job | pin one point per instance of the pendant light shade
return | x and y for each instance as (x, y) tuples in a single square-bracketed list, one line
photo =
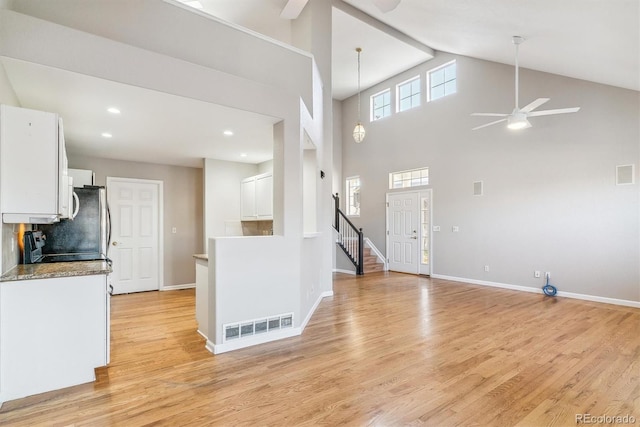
[(358, 131)]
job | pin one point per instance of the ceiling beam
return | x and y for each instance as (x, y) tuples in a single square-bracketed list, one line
[(292, 9), (379, 25)]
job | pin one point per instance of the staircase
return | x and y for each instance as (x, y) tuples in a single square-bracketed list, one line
[(351, 241), (371, 262)]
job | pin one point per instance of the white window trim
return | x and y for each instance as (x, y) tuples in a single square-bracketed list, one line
[(371, 117), (398, 94), (446, 64), (391, 187), (347, 201)]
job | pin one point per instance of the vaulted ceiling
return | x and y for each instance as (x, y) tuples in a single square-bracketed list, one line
[(592, 40)]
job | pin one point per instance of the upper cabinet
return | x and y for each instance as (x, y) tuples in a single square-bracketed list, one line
[(257, 197), (34, 186)]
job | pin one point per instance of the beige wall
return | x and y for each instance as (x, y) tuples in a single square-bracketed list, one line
[(182, 208), (550, 201)]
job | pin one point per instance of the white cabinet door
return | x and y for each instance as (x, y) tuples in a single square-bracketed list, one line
[(248, 199), (264, 196), (53, 333), (29, 165)]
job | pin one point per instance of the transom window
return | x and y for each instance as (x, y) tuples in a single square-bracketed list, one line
[(442, 81), (408, 94), (381, 105), (353, 196), (410, 178)]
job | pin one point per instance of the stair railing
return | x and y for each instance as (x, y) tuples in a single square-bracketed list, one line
[(350, 238)]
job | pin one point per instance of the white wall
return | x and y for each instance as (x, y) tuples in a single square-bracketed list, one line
[(287, 84), (550, 201), (222, 194), (10, 253)]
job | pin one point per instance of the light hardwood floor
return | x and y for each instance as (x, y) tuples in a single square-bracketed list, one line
[(386, 349)]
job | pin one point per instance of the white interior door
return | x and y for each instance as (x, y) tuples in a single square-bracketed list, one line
[(403, 222), (135, 234)]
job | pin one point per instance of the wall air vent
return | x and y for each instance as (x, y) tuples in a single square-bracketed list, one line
[(247, 328), (624, 174), (477, 188)]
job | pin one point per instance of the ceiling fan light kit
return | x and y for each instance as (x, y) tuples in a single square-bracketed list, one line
[(518, 119)]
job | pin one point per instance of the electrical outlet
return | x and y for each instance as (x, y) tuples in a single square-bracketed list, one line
[(455, 228), (486, 268), (536, 274), (174, 230), (13, 244)]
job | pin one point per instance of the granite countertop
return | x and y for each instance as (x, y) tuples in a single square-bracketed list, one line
[(204, 257), (55, 269)]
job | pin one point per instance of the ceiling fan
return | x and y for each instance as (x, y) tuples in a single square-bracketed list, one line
[(386, 5), (517, 119)]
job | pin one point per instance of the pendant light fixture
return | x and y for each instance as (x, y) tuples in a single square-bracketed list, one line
[(358, 131)]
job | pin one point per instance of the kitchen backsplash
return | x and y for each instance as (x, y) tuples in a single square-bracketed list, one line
[(257, 228)]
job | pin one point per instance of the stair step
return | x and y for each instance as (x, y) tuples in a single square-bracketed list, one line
[(371, 268)]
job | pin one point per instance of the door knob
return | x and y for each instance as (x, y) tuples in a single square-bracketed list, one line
[(114, 243)]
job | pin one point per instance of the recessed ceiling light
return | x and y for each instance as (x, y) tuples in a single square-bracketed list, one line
[(228, 132), (106, 135), (113, 110), (243, 154)]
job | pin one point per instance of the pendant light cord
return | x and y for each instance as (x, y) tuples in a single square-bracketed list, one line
[(359, 112)]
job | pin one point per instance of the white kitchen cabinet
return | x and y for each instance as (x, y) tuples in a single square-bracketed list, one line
[(248, 199), (33, 166), (54, 333), (264, 196), (82, 177), (257, 197)]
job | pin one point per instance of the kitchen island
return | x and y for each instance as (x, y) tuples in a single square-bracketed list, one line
[(54, 326)]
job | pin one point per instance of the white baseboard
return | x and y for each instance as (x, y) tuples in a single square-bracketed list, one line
[(178, 287), (339, 270), (573, 295), (265, 338), (313, 309), (251, 341)]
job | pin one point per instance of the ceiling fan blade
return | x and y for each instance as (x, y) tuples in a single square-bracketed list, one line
[(550, 112), (489, 124), (386, 5), (490, 114), (535, 104)]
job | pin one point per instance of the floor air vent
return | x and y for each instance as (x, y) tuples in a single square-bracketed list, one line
[(234, 331)]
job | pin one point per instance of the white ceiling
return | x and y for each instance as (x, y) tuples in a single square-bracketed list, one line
[(152, 126), (594, 40)]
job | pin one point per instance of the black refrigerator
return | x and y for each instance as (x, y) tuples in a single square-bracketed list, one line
[(86, 236)]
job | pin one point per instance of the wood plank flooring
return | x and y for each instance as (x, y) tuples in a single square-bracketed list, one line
[(387, 349)]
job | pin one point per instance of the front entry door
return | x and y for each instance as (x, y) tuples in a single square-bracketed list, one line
[(403, 213), (135, 234)]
